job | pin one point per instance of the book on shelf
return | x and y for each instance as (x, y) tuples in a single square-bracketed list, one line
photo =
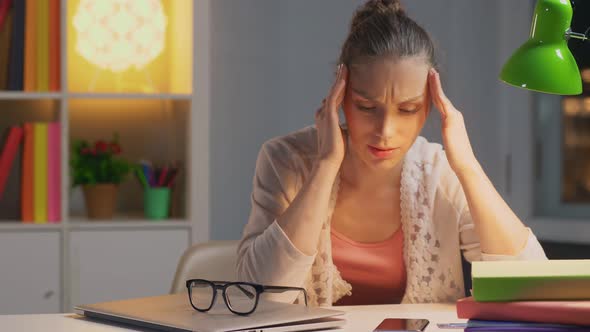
[(42, 26), (30, 67), (46, 173), (9, 151), (27, 175), (30, 173), (30, 45), (53, 172), (40, 172), (55, 45), (4, 9), (10, 166), (5, 42), (17, 48)]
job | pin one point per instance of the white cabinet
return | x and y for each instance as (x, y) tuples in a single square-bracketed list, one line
[(109, 265), (30, 270)]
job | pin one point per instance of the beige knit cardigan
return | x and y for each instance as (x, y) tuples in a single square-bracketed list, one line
[(435, 220)]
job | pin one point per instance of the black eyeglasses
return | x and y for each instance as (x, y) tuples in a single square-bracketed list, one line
[(241, 298)]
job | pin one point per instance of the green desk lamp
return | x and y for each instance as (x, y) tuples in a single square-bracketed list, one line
[(544, 63)]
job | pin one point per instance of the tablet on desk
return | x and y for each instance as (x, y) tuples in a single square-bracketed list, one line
[(174, 313)]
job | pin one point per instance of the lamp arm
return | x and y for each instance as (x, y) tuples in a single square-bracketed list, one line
[(576, 35)]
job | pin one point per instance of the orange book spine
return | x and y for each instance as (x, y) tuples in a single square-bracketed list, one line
[(54, 45), (27, 175), (30, 83), (42, 37)]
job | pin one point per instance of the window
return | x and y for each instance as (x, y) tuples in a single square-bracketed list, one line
[(562, 136)]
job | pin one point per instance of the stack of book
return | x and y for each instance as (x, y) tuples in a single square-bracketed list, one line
[(37, 146), (30, 45), (552, 295)]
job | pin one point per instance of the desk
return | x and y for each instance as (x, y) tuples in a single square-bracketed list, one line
[(360, 318)]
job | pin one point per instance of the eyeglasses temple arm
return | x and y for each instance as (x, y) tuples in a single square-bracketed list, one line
[(281, 289)]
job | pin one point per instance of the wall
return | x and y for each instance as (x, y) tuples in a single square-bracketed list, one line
[(271, 66)]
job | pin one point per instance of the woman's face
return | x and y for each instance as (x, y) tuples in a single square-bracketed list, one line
[(385, 106)]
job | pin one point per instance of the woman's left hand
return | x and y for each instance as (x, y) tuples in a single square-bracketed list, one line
[(455, 138)]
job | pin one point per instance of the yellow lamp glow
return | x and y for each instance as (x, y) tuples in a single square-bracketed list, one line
[(120, 34)]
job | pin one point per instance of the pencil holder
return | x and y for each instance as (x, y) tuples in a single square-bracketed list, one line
[(156, 202)]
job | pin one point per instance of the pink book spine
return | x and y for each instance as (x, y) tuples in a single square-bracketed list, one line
[(54, 172)]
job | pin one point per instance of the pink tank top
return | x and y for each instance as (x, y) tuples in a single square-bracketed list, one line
[(376, 271)]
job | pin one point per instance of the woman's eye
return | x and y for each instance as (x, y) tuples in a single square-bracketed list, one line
[(409, 111), (366, 108)]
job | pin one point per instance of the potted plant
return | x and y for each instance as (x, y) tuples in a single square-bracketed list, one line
[(99, 171)]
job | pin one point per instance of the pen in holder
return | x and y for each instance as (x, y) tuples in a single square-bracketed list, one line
[(156, 202), (157, 185)]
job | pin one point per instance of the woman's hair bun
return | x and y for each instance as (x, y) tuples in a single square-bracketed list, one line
[(381, 28), (385, 7), (376, 8)]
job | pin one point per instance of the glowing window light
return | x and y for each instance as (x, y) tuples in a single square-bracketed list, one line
[(572, 106), (118, 34)]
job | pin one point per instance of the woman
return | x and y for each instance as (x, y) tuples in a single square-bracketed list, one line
[(372, 213)]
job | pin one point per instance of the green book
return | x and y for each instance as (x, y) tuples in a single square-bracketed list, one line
[(495, 281)]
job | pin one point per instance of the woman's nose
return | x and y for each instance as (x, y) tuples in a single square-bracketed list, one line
[(386, 125)]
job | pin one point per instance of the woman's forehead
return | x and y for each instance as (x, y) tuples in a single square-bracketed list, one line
[(401, 79)]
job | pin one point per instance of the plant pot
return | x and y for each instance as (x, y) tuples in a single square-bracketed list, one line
[(100, 199)]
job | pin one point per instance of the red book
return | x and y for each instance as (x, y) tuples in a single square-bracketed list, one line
[(4, 7), (556, 312), (15, 135)]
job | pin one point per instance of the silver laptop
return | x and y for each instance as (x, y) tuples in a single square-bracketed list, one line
[(174, 313)]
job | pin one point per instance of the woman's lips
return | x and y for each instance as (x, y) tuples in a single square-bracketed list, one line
[(381, 153)]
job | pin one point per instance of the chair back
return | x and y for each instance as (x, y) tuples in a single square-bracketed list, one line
[(213, 260)]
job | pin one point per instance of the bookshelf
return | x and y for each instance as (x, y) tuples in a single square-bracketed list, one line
[(17, 95), (79, 260)]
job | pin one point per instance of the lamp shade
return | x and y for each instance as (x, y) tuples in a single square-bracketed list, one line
[(119, 34), (544, 63)]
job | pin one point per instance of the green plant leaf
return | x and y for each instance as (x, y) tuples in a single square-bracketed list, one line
[(91, 168)]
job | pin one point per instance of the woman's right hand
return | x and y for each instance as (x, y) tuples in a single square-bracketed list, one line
[(331, 141)]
